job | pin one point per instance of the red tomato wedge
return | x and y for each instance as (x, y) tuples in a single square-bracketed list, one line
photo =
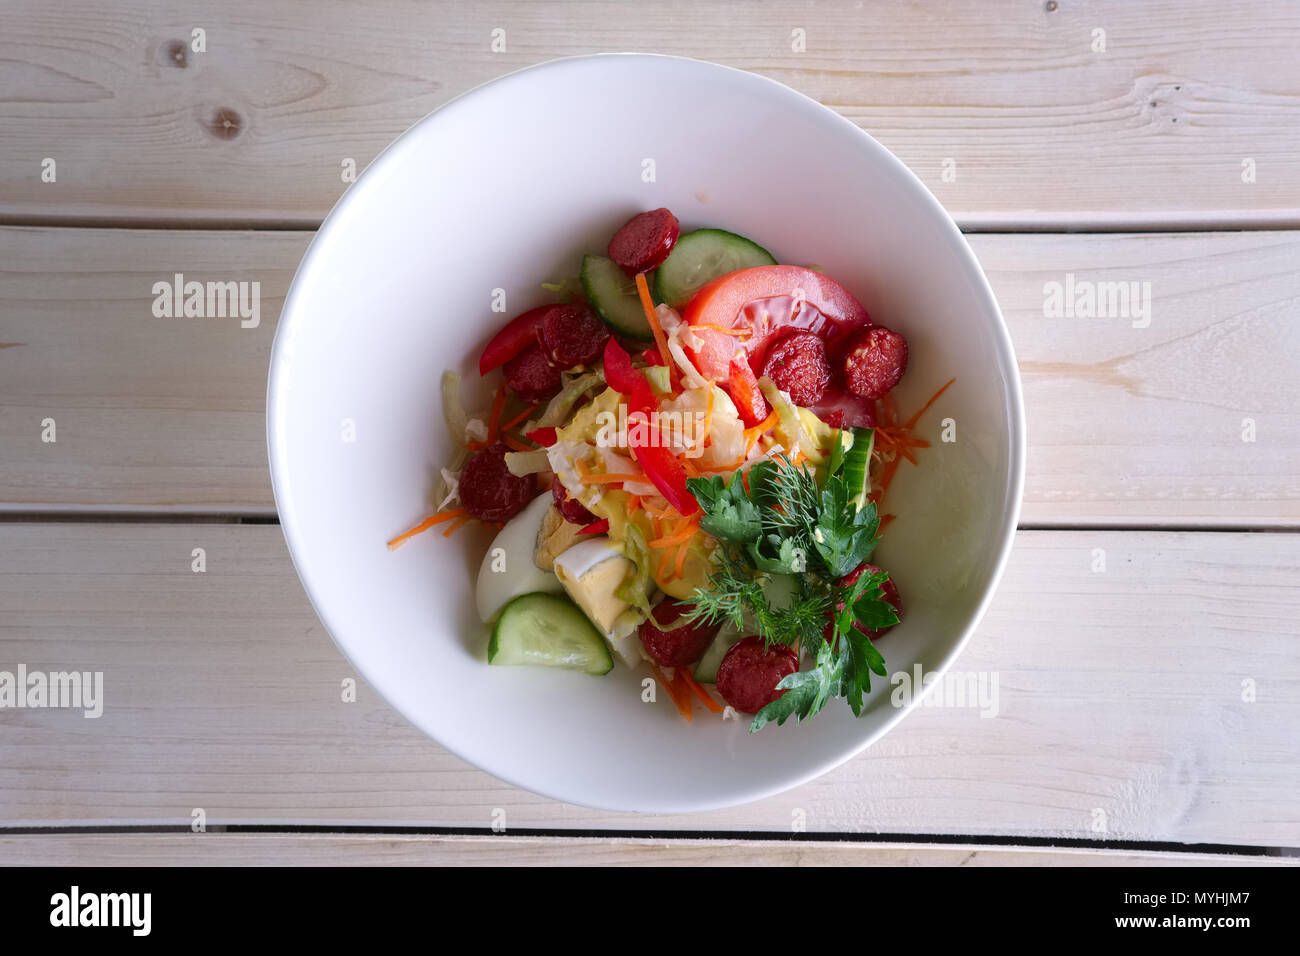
[(739, 315)]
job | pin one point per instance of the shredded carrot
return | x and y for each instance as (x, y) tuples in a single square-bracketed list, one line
[(886, 479), (683, 704), (705, 697), (608, 477), (664, 572), (753, 434), (897, 437), (458, 522), (651, 507), (520, 417), (680, 567), (890, 407), (513, 442), (682, 688), (688, 466), (662, 577), (633, 503), (683, 532), (897, 447), (926, 407), (494, 419), (651, 316), (425, 525), (580, 465)]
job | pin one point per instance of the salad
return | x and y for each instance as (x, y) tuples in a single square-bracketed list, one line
[(685, 462)]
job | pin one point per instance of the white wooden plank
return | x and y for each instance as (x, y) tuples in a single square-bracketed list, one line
[(1126, 425), (1122, 701), (1145, 419), (393, 849), (1037, 117)]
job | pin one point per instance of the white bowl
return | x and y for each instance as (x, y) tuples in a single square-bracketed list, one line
[(504, 188)]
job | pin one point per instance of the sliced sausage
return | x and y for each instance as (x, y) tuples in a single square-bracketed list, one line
[(570, 509), (797, 364), (842, 409), (489, 491), (644, 241), (875, 362), (671, 641), (749, 673), (573, 335), (531, 375)]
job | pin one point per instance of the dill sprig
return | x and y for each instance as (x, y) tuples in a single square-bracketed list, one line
[(779, 521)]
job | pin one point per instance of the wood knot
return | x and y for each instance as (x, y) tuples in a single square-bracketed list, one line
[(225, 123), (1050, 6), (177, 54)]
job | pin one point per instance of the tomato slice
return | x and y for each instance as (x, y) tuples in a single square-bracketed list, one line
[(742, 313)]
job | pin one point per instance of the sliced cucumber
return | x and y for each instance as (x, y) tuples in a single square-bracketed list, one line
[(857, 466), (706, 669), (549, 631), (701, 256), (612, 293)]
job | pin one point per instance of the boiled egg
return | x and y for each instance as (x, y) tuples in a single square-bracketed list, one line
[(509, 568)]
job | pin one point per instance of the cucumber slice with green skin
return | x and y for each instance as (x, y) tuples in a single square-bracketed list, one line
[(700, 257), (857, 466), (548, 631), (612, 293), (706, 668)]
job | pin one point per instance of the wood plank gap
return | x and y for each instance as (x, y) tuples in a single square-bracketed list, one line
[(971, 226), (927, 839)]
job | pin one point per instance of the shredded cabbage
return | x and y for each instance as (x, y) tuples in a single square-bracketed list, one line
[(448, 487), (678, 333), (726, 430), (561, 456), (557, 412), (790, 424), (451, 483), (638, 585), (453, 412), (523, 463)]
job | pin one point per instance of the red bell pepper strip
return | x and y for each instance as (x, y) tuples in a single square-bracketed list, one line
[(667, 474), (546, 437), (659, 463), (596, 527), (519, 333), (623, 378)]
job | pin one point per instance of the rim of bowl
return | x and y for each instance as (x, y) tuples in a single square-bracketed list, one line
[(1016, 422)]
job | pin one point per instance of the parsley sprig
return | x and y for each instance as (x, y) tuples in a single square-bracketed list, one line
[(778, 520)]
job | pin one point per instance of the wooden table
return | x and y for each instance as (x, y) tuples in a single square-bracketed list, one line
[(1149, 711)]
